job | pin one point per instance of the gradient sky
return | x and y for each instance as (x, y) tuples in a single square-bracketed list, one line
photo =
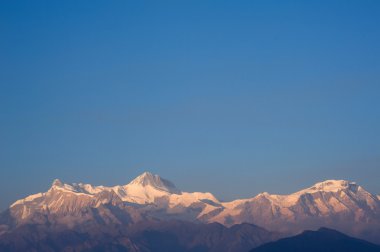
[(231, 97)]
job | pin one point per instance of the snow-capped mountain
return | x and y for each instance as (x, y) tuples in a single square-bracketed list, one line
[(337, 204), (147, 194), (324, 199)]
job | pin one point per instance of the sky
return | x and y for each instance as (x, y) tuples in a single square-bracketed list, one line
[(230, 97)]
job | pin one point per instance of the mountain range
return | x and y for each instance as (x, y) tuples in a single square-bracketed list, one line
[(79, 209)]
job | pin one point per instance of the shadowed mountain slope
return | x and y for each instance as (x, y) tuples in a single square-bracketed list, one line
[(323, 240), (147, 236)]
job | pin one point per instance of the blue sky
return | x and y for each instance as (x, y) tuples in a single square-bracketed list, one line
[(232, 97)]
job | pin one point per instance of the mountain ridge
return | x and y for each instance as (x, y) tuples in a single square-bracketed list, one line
[(323, 239), (165, 185), (339, 204)]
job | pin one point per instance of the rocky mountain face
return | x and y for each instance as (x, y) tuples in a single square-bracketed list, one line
[(337, 204), (315, 241)]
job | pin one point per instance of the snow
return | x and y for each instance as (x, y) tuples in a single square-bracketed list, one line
[(144, 189), (322, 199), (29, 198), (141, 194), (329, 186), (186, 199), (148, 179), (147, 188)]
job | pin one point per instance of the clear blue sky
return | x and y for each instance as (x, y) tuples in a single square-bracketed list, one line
[(232, 97)]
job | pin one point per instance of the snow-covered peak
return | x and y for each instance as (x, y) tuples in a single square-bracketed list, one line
[(73, 187), (144, 189), (155, 181), (332, 186), (59, 185), (57, 182)]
